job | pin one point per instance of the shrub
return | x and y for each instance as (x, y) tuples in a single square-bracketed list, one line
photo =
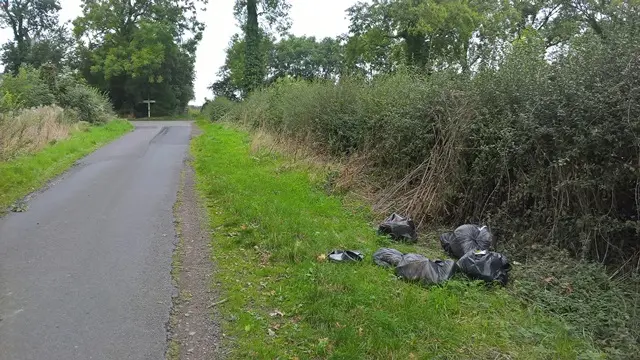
[(91, 105), (24, 90), (217, 108)]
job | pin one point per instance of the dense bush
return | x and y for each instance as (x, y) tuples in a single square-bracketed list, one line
[(91, 105), (27, 89), (550, 149), (41, 87), (215, 109)]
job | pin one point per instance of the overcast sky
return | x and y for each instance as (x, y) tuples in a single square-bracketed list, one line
[(319, 18)]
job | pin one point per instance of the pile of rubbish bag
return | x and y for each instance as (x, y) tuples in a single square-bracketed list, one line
[(415, 267), (470, 244)]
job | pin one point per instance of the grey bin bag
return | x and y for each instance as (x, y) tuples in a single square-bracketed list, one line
[(466, 238), (415, 267), (485, 265), (387, 257), (399, 228)]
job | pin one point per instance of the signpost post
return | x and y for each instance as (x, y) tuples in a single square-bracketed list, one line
[(148, 102)]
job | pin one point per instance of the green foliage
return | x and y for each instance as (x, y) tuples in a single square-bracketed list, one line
[(584, 295), (33, 88), (26, 89), (217, 108), (249, 13), (140, 50), (270, 222), (91, 105), (36, 34), (428, 32), (295, 57)]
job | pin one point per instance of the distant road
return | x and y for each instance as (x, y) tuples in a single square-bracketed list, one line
[(85, 271)]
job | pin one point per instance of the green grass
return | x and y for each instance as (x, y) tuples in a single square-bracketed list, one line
[(25, 174), (270, 222)]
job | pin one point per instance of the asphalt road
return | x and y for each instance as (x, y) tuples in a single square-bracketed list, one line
[(85, 271)]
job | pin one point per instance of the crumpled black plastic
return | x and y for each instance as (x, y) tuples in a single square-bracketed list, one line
[(415, 267), (387, 257), (485, 265), (399, 228), (466, 238), (345, 256)]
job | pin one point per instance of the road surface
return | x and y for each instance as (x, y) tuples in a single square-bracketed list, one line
[(85, 271)]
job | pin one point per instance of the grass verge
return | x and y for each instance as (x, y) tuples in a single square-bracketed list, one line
[(27, 173), (272, 222)]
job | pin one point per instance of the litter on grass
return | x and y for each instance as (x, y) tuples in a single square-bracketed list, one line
[(466, 238), (485, 265), (399, 228), (387, 257), (345, 256)]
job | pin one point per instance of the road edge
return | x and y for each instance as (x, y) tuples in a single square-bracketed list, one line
[(192, 332)]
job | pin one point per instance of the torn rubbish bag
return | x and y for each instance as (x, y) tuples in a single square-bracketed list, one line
[(387, 257), (415, 267), (485, 265), (466, 238), (345, 256), (399, 228)]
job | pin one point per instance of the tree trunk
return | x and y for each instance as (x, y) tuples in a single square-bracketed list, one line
[(254, 72)]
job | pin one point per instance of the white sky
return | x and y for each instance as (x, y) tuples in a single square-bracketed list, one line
[(319, 18)]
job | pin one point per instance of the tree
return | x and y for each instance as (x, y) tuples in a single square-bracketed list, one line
[(429, 33), (249, 12), (305, 58), (37, 37), (140, 49)]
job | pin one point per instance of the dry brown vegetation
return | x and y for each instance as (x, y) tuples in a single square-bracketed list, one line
[(30, 130)]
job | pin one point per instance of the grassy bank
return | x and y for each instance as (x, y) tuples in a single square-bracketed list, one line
[(24, 174), (272, 222)]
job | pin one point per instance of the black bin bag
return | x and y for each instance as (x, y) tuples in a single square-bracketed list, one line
[(399, 228), (387, 257), (415, 267), (485, 265), (466, 238)]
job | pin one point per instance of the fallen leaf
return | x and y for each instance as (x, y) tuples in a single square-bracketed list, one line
[(322, 257), (271, 332)]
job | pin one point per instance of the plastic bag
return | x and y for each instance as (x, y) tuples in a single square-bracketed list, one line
[(345, 256), (415, 267), (466, 238), (485, 265), (387, 257), (399, 228)]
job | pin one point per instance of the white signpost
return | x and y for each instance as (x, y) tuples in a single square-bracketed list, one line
[(148, 102)]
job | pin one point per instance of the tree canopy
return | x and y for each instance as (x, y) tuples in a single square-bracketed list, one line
[(138, 50), (38, 38)]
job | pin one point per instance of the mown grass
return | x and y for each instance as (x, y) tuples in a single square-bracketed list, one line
[(271, 222), (24, 174)]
